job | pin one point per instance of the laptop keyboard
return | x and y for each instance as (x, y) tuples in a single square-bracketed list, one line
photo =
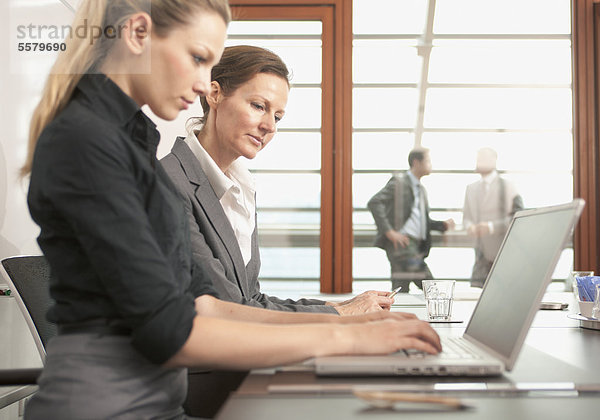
[(452, 348)]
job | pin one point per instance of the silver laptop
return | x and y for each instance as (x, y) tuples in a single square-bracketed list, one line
[(509, 301)]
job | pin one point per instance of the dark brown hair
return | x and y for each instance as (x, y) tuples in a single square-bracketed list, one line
[(418, 153), (237, 66)]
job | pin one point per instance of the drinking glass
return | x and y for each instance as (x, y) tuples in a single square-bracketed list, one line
[(439, 295)]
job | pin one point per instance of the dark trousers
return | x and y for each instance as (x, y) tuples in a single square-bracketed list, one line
[(208, 390), (481, 269), (408, 264)]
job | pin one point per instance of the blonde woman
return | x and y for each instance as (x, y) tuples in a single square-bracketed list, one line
[(116, 238)]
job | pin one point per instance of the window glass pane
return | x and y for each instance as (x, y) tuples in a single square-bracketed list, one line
[(301, 56), (364, 186), (362, 217), (303, 109), (303, 61), (388, 16), (370, 263), (524, 151), (381, 150), (290, 288), (290, 150), (516, 150), (498, 108), (289, 239), (493, 61), (385, 108), (268, 218), (451, 263), (502, 17), (293, 263), (273, 28), (449, 238), (288, 190), (543, 189), (444, 147), (445, 190), (509, 89), (564, 265), (391, 61)]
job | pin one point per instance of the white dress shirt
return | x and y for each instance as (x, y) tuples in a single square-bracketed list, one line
[(486, 181), (235, 190)]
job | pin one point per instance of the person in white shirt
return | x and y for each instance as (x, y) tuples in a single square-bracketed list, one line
[(489, 206), (248, 96)]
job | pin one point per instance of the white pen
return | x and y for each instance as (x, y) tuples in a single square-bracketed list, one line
[(394, 292)]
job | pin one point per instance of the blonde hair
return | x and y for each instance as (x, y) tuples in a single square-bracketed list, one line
[(84, 55)]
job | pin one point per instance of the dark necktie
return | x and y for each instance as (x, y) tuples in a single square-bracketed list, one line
[(423, 220)]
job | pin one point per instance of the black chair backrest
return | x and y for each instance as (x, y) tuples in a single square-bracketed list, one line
[(14, 377), (30, 277)]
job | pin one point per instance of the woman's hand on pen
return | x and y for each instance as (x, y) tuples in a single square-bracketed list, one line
[(370, 301)]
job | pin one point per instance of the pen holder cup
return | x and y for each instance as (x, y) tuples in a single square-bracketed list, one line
[(596, 306), (586, 308)]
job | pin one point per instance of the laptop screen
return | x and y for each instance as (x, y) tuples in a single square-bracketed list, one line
[(522, 269)]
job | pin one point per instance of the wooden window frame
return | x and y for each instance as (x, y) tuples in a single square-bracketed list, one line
[(586, 115), (336, 239), (336, 236)]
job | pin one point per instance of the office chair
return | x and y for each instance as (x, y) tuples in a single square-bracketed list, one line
[(15, 377), (28, 278)]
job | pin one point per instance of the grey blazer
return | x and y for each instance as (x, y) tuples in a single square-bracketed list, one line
[(391, 208), (215, 248)]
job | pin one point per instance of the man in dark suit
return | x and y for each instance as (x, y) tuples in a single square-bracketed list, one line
[(401, 213)]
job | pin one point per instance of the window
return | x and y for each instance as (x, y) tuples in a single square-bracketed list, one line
[(287, 172), (450, 75), (455, 76), (299, 192)]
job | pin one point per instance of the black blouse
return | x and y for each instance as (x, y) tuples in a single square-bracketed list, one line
[(112, 229)]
